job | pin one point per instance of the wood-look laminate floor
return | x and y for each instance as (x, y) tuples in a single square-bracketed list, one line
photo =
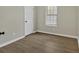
[(42, 43)]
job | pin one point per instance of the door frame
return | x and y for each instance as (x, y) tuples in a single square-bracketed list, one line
[(32, 20)]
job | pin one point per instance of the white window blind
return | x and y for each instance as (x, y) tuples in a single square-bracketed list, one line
[(51, 19)]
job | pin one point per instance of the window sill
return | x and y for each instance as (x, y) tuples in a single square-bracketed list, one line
[(52, 25)]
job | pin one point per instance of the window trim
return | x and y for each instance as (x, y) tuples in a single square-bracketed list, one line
[(46, 15)]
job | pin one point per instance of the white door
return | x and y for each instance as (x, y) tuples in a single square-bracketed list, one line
[(28, 20)]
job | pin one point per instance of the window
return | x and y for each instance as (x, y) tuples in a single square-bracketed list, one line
[(51, 17)]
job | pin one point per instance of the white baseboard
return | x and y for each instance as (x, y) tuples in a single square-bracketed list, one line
[(34, 31), (78, 41), (14, 40), (59, 34), (9, 42)]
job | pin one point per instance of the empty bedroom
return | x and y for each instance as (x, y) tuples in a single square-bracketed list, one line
[(39, 29)]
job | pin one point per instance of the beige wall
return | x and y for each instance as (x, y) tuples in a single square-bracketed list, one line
[(78, 21), (11, 22), (35, 18), (67, 22), (77, 11)]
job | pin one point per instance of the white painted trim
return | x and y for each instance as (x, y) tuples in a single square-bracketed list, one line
[(78, 41), (59, 34), (9, 42), (34, 31), (77, 38), (32, 26)]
